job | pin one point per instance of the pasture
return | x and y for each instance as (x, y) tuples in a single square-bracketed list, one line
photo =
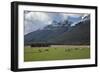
[(56, 52)]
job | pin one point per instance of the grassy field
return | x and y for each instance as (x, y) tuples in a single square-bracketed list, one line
[(56, 52)]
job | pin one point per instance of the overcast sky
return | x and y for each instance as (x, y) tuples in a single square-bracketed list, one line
[(38, 20)]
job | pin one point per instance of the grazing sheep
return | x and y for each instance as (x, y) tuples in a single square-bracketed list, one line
[(46, 49), (76, 48), (69, 49), (40, 50)]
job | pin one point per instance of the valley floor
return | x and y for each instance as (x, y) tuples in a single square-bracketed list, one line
[(56, 52)]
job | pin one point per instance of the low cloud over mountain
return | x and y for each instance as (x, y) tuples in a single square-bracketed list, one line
[(38, 20), (57, 28)]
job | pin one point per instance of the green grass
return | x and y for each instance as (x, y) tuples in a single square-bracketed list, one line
[(56, 53)]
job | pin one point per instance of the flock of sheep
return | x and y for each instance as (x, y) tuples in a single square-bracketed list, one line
[(66, 50)]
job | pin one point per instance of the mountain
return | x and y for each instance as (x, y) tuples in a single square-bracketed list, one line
[(74, 19), (62, 32)]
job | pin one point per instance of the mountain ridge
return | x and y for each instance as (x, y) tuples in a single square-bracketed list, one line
[(62, 33)]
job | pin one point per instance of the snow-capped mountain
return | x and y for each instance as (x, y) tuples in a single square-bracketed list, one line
[(83, 18), (70, 31)]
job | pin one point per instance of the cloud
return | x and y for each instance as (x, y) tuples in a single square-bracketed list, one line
[(56, 16), (66, 15), (37, 16), (36, 20)]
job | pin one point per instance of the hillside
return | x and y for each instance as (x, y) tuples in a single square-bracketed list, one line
[(62, 33)]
